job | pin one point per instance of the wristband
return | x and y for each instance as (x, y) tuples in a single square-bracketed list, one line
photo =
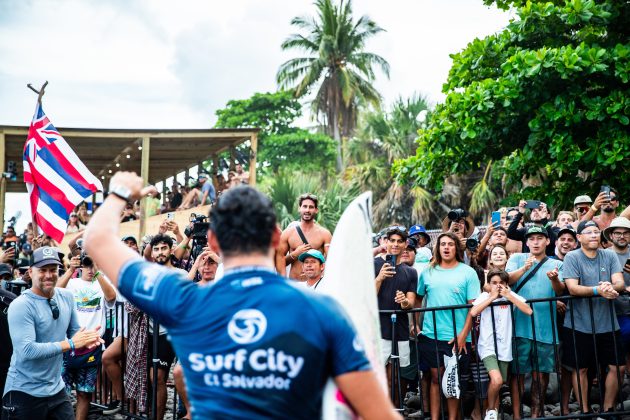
[(595, 291), (594, 209), (71, 346)]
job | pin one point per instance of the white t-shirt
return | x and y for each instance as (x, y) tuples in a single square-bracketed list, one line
[(502, 328), (90, 303)]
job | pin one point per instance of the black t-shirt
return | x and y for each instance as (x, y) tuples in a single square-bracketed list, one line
[(6, 348), (176, 201), (405, 280)]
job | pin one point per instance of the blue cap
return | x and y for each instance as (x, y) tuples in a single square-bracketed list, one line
[(314, 254), (419, 230)]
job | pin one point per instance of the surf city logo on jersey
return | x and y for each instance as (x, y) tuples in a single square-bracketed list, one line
[(247, 326), (262, 368)]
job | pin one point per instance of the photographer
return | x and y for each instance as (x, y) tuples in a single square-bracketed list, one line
[(93, 296), (540, 217)]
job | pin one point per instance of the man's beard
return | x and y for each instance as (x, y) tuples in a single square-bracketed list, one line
[(162, 260), (608, 209)]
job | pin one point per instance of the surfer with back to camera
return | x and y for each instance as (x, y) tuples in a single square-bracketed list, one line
[(248, 354)]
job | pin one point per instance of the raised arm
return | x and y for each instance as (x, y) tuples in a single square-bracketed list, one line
[(101, 236)]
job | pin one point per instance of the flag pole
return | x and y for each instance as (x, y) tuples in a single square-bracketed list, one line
[(40, 93)]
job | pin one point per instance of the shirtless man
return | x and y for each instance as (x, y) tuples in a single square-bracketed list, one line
[(318, 237)]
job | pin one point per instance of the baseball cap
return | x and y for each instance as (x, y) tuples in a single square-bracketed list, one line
[(536, 230), (130, 238), (412, 243), (419, 230), (202, 175), (5, 269), (396, 230), (312, 253), (582, 199), (567, 229), (586, 224), (45, 255)]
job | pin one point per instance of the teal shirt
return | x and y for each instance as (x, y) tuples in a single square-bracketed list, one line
[(537, 287), (447, 287)]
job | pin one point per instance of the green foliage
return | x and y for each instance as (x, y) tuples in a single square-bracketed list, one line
[(285, 188), (299, 150), (383, 138), (273, 113), (335, 65), (547, 99), (280, 144)]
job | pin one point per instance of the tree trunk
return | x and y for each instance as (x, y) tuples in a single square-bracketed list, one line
[(337, 137)]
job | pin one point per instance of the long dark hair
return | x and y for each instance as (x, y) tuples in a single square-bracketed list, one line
[(437, 258)]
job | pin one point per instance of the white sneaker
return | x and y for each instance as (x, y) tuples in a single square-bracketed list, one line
[(491, 415)]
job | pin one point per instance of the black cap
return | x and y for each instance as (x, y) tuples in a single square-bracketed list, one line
[(45, 255), (586, 224), (5, 269), (567, 229)]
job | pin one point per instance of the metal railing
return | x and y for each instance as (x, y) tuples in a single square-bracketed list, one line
[(538, 306)]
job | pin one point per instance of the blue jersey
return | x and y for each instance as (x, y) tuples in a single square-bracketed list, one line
[(252, 345)]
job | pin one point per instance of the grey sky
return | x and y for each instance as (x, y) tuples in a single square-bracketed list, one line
[(166, 64)]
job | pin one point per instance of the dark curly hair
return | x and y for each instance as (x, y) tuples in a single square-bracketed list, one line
[(243, 221), (161, 238)]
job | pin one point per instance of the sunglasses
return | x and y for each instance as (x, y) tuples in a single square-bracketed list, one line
[(582, 209), (398, 228), (54, 308), (309, 196), (509, 218)]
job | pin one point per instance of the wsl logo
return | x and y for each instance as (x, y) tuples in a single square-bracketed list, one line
[(247, 326)]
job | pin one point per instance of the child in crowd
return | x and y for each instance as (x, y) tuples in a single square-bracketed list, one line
[(496, 321)]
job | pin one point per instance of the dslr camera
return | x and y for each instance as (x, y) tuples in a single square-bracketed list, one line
[(86, 260), (457, 214)]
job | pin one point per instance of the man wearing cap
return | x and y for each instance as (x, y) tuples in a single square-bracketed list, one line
[(533, 275), (581, 206), (591, 271), (618, 233), (396, 287), (539, 216), (313, 263), (131, 242), (566, 242), (40, 320), (422, 253), (205, 193)]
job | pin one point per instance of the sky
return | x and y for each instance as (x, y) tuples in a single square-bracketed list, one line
[(165, 64)]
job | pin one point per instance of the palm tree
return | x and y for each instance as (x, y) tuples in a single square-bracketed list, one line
[(381, 139), (336, 65)]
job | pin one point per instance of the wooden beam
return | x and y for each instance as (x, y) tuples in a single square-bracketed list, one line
[(3, 181), (157, 134), (144, 173), (252, 159)]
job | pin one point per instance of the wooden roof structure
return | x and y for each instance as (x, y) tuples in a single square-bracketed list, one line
[(155, 154)]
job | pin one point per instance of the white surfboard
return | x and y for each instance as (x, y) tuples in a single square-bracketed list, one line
[(349, 278)]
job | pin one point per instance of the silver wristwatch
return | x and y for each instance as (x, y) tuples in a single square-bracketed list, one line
[(120, 191)]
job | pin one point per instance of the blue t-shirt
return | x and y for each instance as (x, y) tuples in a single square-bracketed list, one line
[(538, 287), (251, 346), (447, 287), (209, 188)]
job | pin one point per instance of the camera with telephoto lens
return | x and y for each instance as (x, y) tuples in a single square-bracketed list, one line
[(86, 260), (472, 244), (197, 231), (457, 214)]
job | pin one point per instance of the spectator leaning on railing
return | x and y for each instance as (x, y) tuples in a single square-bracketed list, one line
[(590, 271), (533, 275)]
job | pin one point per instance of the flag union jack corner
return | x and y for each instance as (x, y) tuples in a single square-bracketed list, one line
[(56, 179)]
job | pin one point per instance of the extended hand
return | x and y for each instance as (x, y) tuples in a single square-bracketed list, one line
[(133, 183), (87, 338)]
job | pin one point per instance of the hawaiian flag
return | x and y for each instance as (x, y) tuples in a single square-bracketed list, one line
[(55, 177)]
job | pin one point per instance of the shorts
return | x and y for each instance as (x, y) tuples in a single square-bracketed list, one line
[(624, 327), (433, 360), (492, 363), (604, 348), (20, 405), (524, 357), (84, 379), (165, 354), (403, 352)]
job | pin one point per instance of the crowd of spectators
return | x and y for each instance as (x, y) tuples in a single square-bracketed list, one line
[(486, 276)]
